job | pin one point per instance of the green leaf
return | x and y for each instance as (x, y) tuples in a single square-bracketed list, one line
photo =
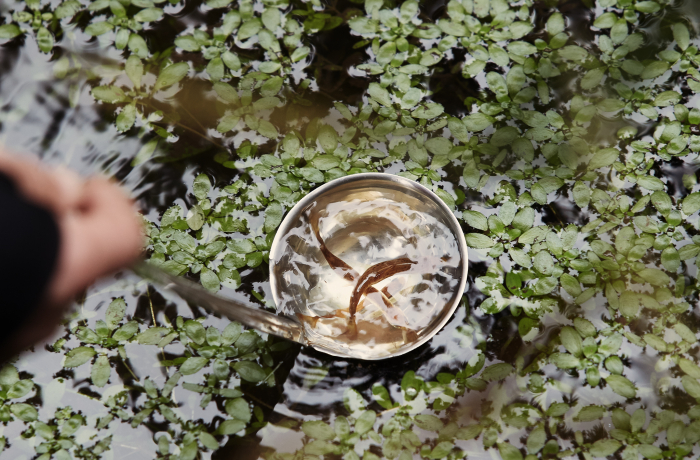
[(655, 69), (231, 61), (215, 69), (20, 388), (689, 367), (300, 53), (98, 28), (655, 277), (478, 241), (497, 371), (8, 31), (78, 356), (230, 427), (201, 186), (651, 183), (621, 385), (564, 360), (126, 331), (647, 6), (429, 110), (100, 372), (649, 451), (556, 24), (590, 413), (442, 450), (571, 341), (632, 67), (363, 25), (509, 451), (381, 395), (505, 136), (134, 70), (312, 175), (365, 422), (109, 94), (249, 28), (195, 218), (469, 432), (543, 263), (515, 80), (325, 162), (318, 429), (152, 335), (126, 118), (524, 219), (149, 15), (429, 422), (188, 43), (629, 304), (380, 94), (603, 158), (146, 152), (209, 280), (691, 203), (520, 48), (250, 371), (667, 98), (670, 259), (691, 386), (171, 75), (24, 412), (273, 216), (605, 21), (536, 440), (475, 219), (438, 145), (239, 409), (604, 447), (115, 312), (477, 122), (619, 31), (44, 39), (572, 53), (195, 331), (193, 365), (681, 35), (571, 285), (592, 78)]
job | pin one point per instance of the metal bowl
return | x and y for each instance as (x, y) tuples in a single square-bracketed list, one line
[(365, 219)]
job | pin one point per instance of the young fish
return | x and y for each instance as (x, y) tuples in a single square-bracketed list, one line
[(375, 274), (340, 267), (364, 284)]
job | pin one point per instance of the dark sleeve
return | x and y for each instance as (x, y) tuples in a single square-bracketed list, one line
[(29, 241)]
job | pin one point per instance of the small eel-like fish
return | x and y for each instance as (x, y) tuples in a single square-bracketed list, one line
[(375, 274), (365, 283)]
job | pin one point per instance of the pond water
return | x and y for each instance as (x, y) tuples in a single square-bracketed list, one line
[(563, 134)]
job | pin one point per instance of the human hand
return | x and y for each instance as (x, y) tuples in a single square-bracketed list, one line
[(100, 232)]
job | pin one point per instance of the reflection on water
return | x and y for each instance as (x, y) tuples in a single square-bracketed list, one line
[(51, 113)]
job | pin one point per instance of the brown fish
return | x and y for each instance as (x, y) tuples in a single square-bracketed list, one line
[(375, 274), (365, 283)]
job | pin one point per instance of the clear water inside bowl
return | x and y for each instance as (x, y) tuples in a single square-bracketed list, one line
[(363, 227)]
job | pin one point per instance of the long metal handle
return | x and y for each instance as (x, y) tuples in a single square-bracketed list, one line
[(232, 309)]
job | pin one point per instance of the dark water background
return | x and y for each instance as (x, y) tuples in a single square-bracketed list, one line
[(58, 120)]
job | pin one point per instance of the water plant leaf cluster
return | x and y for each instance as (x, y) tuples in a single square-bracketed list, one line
[(565, 137)]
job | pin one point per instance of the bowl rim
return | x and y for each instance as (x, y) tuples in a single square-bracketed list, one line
[(291, 218)]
